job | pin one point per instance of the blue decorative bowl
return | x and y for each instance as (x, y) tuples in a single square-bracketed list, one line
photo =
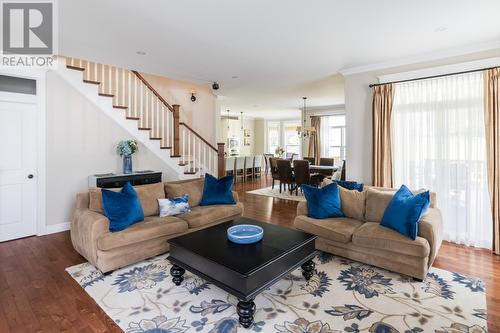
[(245, 233)]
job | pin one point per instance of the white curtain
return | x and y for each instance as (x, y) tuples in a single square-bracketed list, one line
[(324, 140), (439, 144)]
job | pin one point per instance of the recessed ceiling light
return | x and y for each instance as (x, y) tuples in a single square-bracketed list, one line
[(235, 77), (141, 53), (440, 29)]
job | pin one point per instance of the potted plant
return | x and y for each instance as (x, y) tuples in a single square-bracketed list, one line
[(125, 149), (279, 151)]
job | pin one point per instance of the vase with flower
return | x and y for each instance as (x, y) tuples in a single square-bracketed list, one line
[(125, 149), (279, 151)]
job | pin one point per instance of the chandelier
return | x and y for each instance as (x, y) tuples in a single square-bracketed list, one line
[(304, 131)]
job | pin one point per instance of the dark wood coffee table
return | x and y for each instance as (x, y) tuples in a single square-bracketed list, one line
[(242, 270)]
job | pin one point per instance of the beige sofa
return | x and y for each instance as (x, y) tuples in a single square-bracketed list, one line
[(108, 251), (359, 235)]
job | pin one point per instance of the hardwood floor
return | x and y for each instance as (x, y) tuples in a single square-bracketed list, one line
[(37, 295)]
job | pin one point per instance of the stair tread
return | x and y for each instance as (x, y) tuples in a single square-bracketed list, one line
[(106, 95), (165, 147), (190, 172), (120, 107), (75, 68), (91, 82)]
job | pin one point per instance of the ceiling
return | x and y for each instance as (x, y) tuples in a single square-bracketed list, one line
[(266, 54)]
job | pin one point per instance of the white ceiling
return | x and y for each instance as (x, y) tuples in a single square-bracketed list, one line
[(278, 50)]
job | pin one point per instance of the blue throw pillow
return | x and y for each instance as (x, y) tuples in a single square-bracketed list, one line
[(122, 208), (350, 185), (174, 206), (217, 191), (323, 202), (405, 210)]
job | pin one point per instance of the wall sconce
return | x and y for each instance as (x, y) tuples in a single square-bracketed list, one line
[(193, 97)]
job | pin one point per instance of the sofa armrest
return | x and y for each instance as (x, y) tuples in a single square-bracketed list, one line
[(86, 227), (235, 196), (302, 208), (431, 228)]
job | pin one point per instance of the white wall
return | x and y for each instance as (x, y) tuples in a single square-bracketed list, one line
[(358, 99), (235, 131), (81, 141)]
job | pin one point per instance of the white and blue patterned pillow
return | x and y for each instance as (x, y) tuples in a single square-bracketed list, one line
[(174, 206)]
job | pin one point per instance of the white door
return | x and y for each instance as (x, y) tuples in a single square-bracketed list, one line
[(18, 164)]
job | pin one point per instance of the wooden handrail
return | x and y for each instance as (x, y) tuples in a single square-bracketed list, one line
[(153, 90), (199, 136)]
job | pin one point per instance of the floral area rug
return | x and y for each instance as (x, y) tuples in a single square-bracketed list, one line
[(342, 296), (285, 195)]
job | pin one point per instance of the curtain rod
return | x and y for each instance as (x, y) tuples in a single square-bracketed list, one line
[(433, 76)]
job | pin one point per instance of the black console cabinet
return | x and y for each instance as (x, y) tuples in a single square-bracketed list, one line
[(118, 180)]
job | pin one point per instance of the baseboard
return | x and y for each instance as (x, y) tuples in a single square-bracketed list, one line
[(51, 229)]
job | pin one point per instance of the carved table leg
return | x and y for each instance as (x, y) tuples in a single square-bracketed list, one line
[(246, 310), (308, 269), (177, 273)]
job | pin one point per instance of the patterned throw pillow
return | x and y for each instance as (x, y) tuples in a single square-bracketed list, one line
[(174, 206)]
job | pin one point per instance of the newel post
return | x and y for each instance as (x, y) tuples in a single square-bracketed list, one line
[(221, 160), (177, 130)]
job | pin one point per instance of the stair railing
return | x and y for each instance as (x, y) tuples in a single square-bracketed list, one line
[(131, 92)]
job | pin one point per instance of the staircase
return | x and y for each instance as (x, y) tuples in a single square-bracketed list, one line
[(147, 116)]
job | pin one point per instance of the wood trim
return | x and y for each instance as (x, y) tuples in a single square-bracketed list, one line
[(75, 68), (199, 136), (91, 82), (177, 139), (153, 90), (221, 160)]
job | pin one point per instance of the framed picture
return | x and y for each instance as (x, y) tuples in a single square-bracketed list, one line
[(246, 142), (246, 133)]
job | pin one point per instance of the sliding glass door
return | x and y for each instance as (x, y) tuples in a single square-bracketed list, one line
[(439, 144)]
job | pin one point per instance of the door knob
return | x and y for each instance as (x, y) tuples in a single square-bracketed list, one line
[(30, 176)]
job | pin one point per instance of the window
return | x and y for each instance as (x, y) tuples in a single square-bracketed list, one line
[(291, 137), (439, 143), (333, 137), (273, 136)]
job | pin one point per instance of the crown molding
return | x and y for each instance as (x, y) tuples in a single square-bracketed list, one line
[(438, 55)]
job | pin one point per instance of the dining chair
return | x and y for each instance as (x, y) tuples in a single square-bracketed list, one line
[(273, 162), (268, 164), (230, 166), (303, 175), (326, 161), (285, 175), (311, 160), (342, 173), (249, 161), (239, 168), (257, 166)]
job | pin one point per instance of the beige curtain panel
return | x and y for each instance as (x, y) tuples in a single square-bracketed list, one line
[(314, 145), (492, 123), (383, 97)]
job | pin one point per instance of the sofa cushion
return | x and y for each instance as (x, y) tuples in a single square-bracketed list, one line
[(323, 202), (432, 203), (338, 229), (148, 195), (152, 227), (205, 215), (122, 208), (193, 188), (375, 236), (404, 211), (217, 191), (376, 203), (353, 203)]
